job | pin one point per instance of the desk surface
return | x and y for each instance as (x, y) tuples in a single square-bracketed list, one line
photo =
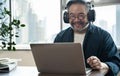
[(32, 71)]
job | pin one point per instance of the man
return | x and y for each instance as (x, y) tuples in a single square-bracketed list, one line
[(99, 48)]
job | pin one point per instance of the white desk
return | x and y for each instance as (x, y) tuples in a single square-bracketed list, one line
[(32, 71)]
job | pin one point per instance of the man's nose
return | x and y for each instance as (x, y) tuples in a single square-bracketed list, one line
[(78, 18)]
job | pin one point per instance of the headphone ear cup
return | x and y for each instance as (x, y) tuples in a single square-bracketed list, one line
[(66, 17), (91, 15)]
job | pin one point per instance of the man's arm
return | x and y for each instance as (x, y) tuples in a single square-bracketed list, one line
[(109, 58), (95, 63)]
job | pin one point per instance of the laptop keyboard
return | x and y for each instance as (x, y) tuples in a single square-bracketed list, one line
[(88, 70)]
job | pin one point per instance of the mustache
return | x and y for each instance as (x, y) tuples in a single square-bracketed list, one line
[(80, 23)]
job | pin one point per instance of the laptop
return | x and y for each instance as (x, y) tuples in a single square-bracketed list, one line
[(59, 58)]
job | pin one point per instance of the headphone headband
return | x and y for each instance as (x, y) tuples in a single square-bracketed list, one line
[(75, 1), (90, 15)]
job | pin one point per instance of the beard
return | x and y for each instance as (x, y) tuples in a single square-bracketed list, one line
[(79, 26)]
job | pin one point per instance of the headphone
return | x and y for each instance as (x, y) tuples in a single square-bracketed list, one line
[(90, 14)]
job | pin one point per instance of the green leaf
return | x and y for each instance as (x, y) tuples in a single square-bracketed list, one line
[(9, 48), (16, 36), (10, 28), (4, 44), (7, 12), (14, 48), (14, 43), (9, 43), (16, 22), (22, 25)]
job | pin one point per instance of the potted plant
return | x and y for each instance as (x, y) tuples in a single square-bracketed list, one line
[(8, 27)]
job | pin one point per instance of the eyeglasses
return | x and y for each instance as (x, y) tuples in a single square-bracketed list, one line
[(79, 16)]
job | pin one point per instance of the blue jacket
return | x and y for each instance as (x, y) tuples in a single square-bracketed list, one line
[(97, 42)]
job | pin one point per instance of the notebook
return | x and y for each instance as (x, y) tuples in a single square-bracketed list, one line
[(59, 58), (7, 64)]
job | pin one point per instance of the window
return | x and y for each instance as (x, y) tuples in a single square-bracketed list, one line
[(107, 17), (42, 19)]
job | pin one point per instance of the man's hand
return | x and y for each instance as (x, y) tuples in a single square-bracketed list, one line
[(95, 63)]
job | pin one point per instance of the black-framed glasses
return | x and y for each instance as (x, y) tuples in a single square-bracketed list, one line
[(79, 16)]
